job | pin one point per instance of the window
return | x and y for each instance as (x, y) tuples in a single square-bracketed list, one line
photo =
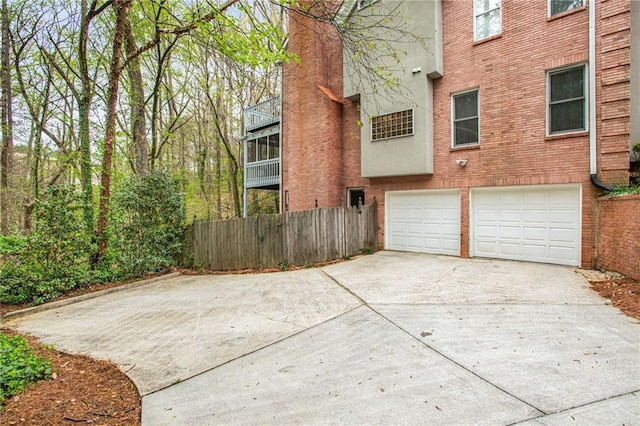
[(465, 118), (263, 148), (559, 6), (364, 3), (392, 125), (487, 15), (566, 100), (356, 197)]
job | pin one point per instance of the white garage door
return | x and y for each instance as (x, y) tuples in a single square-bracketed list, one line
[(538, 224), (423, 221)]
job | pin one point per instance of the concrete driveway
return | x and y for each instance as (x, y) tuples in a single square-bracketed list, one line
[(391, 338)]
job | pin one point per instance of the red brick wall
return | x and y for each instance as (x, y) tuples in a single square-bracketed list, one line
[(510, 72), (614, 48), (312, 122), (618, 235)]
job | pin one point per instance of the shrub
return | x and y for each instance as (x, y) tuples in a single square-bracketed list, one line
[(19, 366), (51, 260), (147, 225)]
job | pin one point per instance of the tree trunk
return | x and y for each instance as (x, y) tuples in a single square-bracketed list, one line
[(84, 105), (122, 11), (138, 118), (6, 157)]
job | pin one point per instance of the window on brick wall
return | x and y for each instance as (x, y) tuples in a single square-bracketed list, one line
[(364, 3), (392, 125), (487, 15), (464, 110), (566, 100), (559, 6)]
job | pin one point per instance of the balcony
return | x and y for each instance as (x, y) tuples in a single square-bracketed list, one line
[(262, 115), (262, 174)]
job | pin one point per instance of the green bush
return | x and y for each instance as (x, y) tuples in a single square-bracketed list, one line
[(147, 225), (145, 235), (51, 260), (11, 244), (19, 366)]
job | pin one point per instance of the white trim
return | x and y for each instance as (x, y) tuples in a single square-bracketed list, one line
[(485, 12), (453, 117), (585, 90)]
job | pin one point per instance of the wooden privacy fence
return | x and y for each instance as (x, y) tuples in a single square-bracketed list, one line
[(292, 238)]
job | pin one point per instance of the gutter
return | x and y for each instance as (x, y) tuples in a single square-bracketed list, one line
[(593, 169)]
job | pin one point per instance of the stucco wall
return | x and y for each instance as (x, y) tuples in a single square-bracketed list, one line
[(618, 235)]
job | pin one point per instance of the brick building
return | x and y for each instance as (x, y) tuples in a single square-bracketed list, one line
[(512, 120)]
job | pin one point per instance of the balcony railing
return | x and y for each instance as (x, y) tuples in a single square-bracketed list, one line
[(262, 115), (262, 173)]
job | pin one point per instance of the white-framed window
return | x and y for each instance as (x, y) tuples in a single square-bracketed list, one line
[(393, 125), (364, 3), (567, 100), (559, 6), (487, 18), (465, 123)]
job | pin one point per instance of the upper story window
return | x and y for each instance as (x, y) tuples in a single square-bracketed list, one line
[(559, 6), (487, 18), (566, 94), (364, 3), (465, 107), (392, 125)]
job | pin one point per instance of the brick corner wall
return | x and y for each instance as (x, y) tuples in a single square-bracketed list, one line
[(618, 235)]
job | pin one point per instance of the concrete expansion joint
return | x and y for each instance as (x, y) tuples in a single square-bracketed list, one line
[(565, 410), (229, 361), (342, 286), (451, 360)]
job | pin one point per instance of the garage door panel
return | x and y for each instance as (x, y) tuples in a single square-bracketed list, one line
[(561, 235), (534, 233), (451, 245), (449, 229), (534, 250), (535, 215), (485, 231), (540, 224), (487, 214), (433, 221), (564, 197), (509, 198), (510, 232), (561, 215), (565, 253), (509, 248), (509, 215)]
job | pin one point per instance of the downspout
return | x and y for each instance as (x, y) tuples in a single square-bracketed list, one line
[(593, 169)]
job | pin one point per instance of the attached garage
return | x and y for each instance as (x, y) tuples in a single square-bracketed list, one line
[(537, 224), (423, 221)]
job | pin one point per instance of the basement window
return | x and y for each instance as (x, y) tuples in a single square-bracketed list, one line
[(393, 125)]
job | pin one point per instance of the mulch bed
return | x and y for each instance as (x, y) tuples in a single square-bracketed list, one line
[(82, 391), (624, 294)]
